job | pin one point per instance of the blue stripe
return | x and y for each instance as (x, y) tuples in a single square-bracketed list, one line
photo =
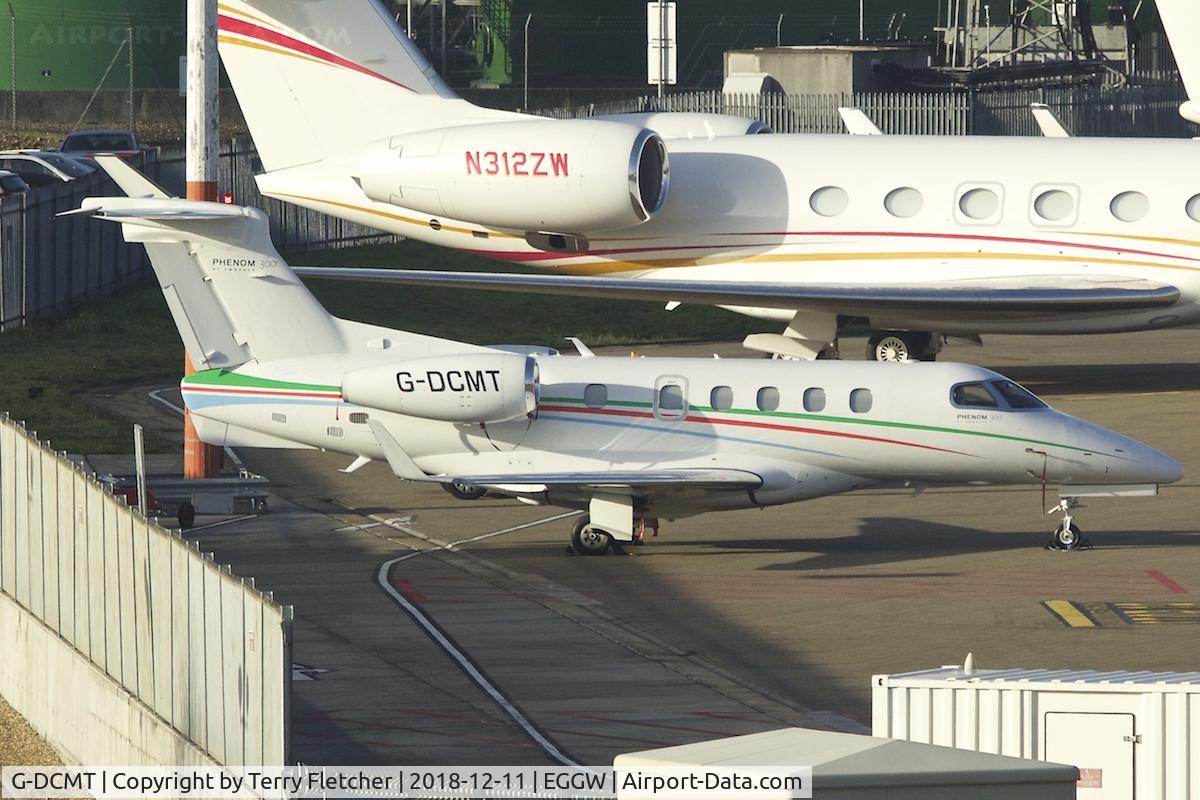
[(198, 400)]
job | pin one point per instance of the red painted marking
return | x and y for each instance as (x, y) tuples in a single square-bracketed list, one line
[(262, 34), (1172, 586), (741, 423), (405, 588), (261, 392)]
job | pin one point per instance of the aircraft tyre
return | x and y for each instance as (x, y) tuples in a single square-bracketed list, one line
[(186, 515), (1067, 537), (464, 491), (900, 346), (589, 541)]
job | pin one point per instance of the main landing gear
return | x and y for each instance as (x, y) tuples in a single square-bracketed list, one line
[(464, 491), (590, 540), (903, 346), (1067, 536)]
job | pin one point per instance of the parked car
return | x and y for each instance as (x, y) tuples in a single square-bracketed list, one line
[(117, 142), (44, 168), (11, 183)]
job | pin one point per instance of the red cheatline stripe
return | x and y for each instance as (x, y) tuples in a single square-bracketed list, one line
[(261, 34), (524, 257), (1172, 586), (973, 237), (741, 423), (260, 392)]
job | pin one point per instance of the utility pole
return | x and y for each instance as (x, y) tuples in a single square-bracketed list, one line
[(203, 132), (779, 31), (445, 3), (528, 18), (663, 54), (12, 29), (409, 29), (129, 39), (862, 35)]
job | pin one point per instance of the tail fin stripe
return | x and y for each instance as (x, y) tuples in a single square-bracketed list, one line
[(222, 8), (260, 34)]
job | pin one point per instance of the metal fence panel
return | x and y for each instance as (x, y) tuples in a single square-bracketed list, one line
[(112, 592), (82, 639), (213, 674), (8, 507), (64, 510), (47, 466), (160, 592), (277, 676), (98, 568), (21, 477), (252, 704), (183, 689), (197, 657), (233, 668), (34, 533), (139, 591), (124, 592)]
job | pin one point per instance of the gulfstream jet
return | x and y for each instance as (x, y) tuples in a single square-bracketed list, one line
[(915, 237), (630, 441)]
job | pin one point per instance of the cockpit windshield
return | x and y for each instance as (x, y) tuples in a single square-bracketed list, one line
[(973, 395), (1002, 395), (1017, 396)]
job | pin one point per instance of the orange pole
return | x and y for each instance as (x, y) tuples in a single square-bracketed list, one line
[(200, 460)]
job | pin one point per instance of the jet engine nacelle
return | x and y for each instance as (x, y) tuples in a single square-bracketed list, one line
[(569, 176), (472, 387)]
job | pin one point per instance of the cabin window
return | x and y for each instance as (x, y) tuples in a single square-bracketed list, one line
[(768, 398), (359, 418), (904, 202), (1130, 206), (1192, 207), (1054, 205), (1017, 396), (814, 399), (595, 395), (829, 201), (721, 398), (980, 204), (973, 395), (861, 401)]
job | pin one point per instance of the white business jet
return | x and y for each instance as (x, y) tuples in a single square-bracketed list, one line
[(628, 440), (915, 237)]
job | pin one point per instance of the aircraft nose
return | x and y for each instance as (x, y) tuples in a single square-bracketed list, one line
[(1147, 465)]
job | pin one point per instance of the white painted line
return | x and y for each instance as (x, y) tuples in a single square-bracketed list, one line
[(219, 524), (453, 546), (469, 668)]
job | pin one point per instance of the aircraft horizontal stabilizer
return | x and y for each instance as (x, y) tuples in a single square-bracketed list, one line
[(1037, 294)]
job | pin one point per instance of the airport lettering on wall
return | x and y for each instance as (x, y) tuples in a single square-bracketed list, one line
[(456, 380), (517, 163)]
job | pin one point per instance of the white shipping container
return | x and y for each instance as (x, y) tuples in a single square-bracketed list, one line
[(1131, 734)]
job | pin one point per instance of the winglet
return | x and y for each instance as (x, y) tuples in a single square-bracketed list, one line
[(1181, 21), (858, 123), (1049, 123), (583, 349)]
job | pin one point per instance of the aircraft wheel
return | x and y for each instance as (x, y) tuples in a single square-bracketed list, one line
[(589, 541), (895, 346), (464, 491), (1067, 537)]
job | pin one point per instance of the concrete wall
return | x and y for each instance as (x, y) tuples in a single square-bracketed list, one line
[(121, 642), (824, 70)]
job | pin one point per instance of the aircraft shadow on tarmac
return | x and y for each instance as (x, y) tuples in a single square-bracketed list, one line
[(884, 540), (1105, 378)]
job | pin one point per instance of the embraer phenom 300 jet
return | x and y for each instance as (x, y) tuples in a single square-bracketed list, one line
[(916, 237), (628, 440)]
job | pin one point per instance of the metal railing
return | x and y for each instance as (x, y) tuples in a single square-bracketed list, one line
[(202, 648), (1150, 110)]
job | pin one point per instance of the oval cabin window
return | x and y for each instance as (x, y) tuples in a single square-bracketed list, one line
[(1054, 205), (904, 202), (979, 204), (829, 201), (1130, 206)]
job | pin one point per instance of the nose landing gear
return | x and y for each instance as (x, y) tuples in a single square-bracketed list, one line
[(1067, 536)]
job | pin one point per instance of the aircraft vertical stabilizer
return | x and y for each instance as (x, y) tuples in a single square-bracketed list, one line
[(1181, 21), (320, 78)]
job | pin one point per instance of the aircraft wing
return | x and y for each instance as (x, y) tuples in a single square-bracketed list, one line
[(624, 481), (1014, 295)]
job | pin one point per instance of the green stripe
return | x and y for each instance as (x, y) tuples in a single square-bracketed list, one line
[(753, 412), (224, 377)]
